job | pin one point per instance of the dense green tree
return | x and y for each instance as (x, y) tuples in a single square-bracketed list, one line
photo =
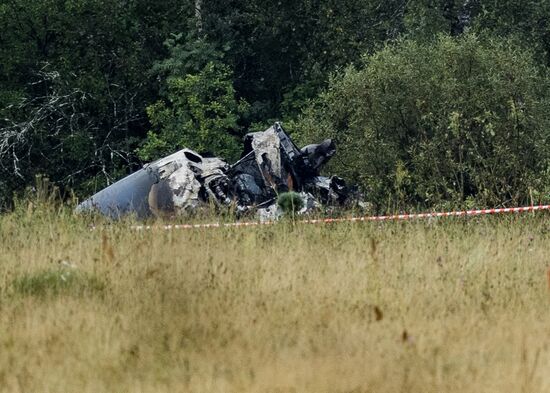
[(200, 112), (281, 52), (456, 121), (424, 19), (527, 20), (74, 86), (77, 76)]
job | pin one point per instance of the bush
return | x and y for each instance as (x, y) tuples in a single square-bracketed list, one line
[(455, 122), (290, 202)]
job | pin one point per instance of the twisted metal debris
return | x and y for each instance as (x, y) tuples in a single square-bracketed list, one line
[(185, 181)]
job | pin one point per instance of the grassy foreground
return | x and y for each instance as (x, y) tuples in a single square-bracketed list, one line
[(457, 305)]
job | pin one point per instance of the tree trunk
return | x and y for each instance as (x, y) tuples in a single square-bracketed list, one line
[(198, 17)]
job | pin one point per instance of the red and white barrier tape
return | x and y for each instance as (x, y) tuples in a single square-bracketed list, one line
[(396, 217)]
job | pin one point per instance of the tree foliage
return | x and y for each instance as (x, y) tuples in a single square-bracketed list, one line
[(457, 121), (89, 88), (200, 113), (74, 87)]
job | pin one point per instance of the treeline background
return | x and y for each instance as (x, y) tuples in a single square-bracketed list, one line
[(432, 103)]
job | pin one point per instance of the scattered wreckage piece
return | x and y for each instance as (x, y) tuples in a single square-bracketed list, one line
[(175, 183), (181, 183)]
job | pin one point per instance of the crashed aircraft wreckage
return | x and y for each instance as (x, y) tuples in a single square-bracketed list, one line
[(184, 181)]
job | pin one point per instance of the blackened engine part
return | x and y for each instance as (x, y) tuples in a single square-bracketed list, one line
[(218, 189), (319, 154), (289, 148), (281, 164), (216, 184), (271, 164), (330, 190), (247, 190), (294, 162), (248, 183)]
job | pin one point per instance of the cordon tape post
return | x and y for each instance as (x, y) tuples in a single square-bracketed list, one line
[(396, 217)]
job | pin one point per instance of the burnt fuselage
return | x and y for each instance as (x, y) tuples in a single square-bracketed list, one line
[(180, 183)]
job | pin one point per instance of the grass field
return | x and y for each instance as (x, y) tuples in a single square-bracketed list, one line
[(457, 305)]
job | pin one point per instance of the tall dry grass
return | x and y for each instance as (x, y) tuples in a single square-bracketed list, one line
[(438, 306)]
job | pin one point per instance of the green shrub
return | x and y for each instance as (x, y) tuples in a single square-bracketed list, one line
[(455, 122), (290, 202)]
